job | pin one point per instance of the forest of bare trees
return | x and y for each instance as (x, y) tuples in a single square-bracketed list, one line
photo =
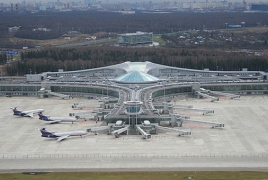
[(93, 57), (52, 59), (92, 21)]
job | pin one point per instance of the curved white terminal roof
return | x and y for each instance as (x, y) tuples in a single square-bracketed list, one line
[(141, 72)]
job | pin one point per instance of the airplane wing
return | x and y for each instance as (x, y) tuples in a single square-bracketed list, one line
[(30, 114), (55, 121), (62, 137)]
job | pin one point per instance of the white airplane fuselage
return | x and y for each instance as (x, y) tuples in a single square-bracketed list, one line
[(61, 135), (56, 119), (74, 133), (63, 119), (27, 112)]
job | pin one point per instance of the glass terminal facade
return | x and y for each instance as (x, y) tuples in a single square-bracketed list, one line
[(236, 87), (76, 90), (170, 91), (84, 90), (136, 77), (133, 109), (32, 89)]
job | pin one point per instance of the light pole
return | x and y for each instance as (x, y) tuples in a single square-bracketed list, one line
[(129, 115), (107, 90), (163, 84), (164, 94), (136, 113)]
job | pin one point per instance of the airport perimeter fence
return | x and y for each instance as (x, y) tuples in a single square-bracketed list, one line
[(132, 155)]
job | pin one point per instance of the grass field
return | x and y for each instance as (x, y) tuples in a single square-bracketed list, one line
[(247, 29), (157, 38), (193, 175)]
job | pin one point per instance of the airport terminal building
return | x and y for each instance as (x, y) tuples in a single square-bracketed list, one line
[(139, 82), (138, 74), (136, 98)]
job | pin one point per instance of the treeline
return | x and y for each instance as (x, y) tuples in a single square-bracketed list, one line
[(92, 22), (93, 57), (15, 43), (217, 39), (37, 35), (3, 59)]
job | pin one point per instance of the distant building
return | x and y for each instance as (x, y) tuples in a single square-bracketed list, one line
[(42, 29), (234, 26), (15, 7), (42, 8), (201, 6), (73, 32), (87, 2), (135, 39), (259, 7), (13, 29)]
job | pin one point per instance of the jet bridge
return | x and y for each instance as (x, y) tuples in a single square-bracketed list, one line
[(232, 96), (177, 120), (117, 132), (207, 96), (181, 132), (63, 96), (143, 133), (183, 106), (204, 111), (213, 124), (118, 128), (96, 129)]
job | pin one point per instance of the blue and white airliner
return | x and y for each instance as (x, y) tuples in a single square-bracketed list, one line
[(28, 113), (53, 120), (61, 135)]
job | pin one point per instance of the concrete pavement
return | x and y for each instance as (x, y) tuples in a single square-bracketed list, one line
[(241, 144)]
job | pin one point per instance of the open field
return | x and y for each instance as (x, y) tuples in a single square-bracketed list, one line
[(81, 38), (74, 38), (262, 29)]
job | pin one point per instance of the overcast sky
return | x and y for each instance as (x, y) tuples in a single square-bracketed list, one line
[(110, 1)]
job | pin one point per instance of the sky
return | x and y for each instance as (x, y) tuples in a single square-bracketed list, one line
[(110, 1)]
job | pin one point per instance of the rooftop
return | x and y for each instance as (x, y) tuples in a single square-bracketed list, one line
[(136, 77)]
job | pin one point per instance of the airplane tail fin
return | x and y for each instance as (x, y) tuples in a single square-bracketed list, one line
[(45, 133), (16, 111), (42, 117)]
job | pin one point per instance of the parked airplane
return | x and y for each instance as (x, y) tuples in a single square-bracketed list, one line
[(53, 120), (28, 113), (62, 135)]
